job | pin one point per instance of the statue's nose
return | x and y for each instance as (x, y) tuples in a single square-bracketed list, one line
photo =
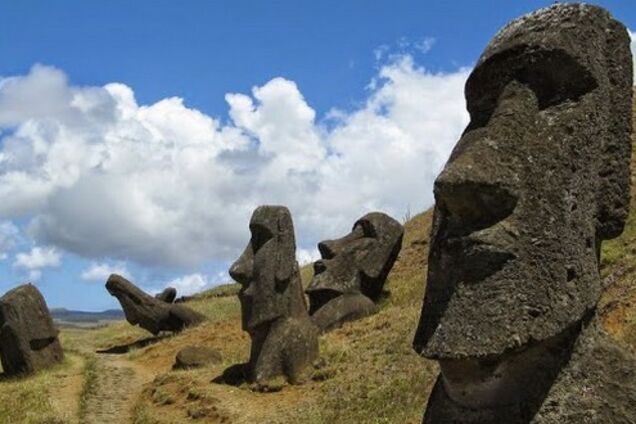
[(241, 270), (468, 202), (327, 249)]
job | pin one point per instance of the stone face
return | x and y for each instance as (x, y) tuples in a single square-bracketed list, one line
[(273, 309), (28, 338), (351, 274), (539, 178), (196, 356), (148, 312), (168, 295)]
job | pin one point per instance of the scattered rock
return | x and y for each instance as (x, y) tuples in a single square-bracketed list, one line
[(149, 313), (273, 308), (196, 356), (28, 339), (349, 279)]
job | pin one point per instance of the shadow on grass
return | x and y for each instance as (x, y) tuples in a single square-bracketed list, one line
[(234, 375), (125, 348)]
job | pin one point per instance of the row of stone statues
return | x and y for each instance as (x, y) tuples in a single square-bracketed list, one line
[(539, 178), (346, 281)]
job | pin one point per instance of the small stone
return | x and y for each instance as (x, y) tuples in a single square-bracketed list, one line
[(196, 356)]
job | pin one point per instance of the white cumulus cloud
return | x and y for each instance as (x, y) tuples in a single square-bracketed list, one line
[(189, 284), (37, 258), (8, 235), (101, 271), (97, 174)]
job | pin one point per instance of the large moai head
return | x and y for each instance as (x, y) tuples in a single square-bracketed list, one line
[(359, 262), (28, 339), (539, 178), (268, 271)]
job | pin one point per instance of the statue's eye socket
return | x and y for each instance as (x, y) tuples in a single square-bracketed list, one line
[(364, 228), (260, 236), (554, 76)]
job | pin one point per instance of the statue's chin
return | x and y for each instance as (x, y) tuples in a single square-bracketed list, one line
[(509, 378), (475, 383)]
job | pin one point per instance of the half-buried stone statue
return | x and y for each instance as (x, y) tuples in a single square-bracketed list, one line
[(273, 308), (349, 279), (28, 338), (168, 295), (148, 312), (539, 178)]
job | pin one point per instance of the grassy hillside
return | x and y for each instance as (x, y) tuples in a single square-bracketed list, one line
[(367, 372)]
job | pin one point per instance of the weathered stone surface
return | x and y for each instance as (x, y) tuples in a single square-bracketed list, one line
[(28, 338), (273, 308), (351, 274), (539, 178), (168, 295), (196, 356), (149, 313)]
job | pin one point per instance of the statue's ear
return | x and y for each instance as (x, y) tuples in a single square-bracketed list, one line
[(286, 249), (615, 150)]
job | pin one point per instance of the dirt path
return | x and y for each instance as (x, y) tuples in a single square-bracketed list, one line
[(68, 387), (117, 385)]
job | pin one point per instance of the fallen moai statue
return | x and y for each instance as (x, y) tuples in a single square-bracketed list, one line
[(349, 279), (148, 312), (28, 338), (168, 295), (539, 178), (273, 308)]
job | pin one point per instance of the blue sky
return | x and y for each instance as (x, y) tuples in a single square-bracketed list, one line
[(138, 136)]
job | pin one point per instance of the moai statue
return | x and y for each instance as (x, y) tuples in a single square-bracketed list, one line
[(539, 178), (349, 278), (168, 295), (28, 338), (148, 312), (273, 309)]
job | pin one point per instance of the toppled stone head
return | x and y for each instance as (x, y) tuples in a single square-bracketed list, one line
[(148, 312), (28, 338), (349, 278), (273, 309), (539, 178), (168, 295)]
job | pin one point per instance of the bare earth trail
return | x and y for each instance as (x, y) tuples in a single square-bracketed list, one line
[(117, 386)]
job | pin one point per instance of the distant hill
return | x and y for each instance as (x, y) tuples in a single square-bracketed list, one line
[(70, 316)]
